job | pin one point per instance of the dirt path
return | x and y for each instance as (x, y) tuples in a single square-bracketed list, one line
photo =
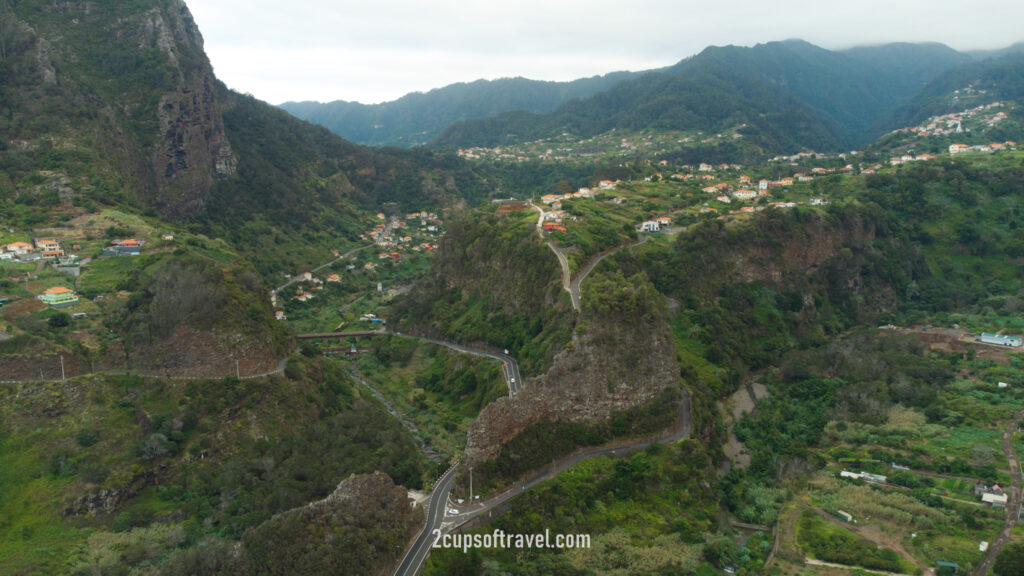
[(562, 260), (1013, 505), (813, 562), (870, 532)]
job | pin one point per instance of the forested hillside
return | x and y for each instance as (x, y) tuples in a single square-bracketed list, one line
[(963, 87), (780, 97), (414, 119), (117, 105)]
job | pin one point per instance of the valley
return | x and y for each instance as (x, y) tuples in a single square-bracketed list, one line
[(756, 313)]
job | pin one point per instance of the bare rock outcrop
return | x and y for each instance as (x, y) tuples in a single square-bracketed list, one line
[(192, 149), (613, 366)]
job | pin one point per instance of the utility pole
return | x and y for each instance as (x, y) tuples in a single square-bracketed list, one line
[(238, 373), (470, 485), (62, 378)]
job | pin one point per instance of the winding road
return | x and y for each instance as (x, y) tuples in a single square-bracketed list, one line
[(421, 547), (417, 554), (562, 260), (574, 288), (509, 366)]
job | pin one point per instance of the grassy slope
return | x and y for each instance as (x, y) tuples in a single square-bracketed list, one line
[(206, 457)]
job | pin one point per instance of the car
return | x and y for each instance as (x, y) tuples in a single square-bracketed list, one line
[(453, 512)]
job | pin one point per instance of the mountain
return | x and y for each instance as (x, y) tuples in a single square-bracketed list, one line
[(830, 99), (769, 118), (116, 105), (416, 118), (850, 90), (908, 66), (973, 84), (1015, 48), (143, 123)]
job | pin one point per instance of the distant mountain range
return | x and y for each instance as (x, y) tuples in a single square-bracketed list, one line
[(416, 118), (784, 96)]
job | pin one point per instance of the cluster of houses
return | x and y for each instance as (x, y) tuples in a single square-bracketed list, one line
[(908, 158), (953, 123), (49, 249), (555, 200), (387, 238), (317, 284), (478, 153), (554, 219), (993, 495), (993, 147), (44, 249)]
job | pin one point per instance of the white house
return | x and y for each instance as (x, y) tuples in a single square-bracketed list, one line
[(650, 226), (994, 499)]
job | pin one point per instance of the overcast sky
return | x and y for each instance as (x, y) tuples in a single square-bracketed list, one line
[(378, 50)]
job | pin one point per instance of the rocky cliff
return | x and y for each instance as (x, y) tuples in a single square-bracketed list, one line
[(621, 358), (191, 149), (130, 90)]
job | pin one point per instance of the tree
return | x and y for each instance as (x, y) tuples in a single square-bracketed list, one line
[(59, 320), (1010, 561)]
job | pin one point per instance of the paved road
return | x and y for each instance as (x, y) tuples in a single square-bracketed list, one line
[(682, 430), (509, 366), (435, 512), (281, 365), (1013, 505), (574, 288)]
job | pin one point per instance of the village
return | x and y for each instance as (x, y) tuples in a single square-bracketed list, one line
[(48, 252), (399, 249)]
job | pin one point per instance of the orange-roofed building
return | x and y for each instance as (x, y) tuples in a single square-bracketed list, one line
[(59, 296), (19, 248)]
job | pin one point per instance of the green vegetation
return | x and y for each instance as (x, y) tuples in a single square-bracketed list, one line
[(494, 282), (416, 118), (125, 470), (833, 543), (545, 441), (649, 513), (1010, 560), (441, 391)]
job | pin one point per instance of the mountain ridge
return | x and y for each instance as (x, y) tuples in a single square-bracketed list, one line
[(417, 117), (842, 95)]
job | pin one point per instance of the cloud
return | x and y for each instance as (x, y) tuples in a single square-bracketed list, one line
[(374, 51)]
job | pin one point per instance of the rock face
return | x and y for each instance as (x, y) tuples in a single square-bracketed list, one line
[(194, 353), (192, 149), (615, 365), (127, 82)]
